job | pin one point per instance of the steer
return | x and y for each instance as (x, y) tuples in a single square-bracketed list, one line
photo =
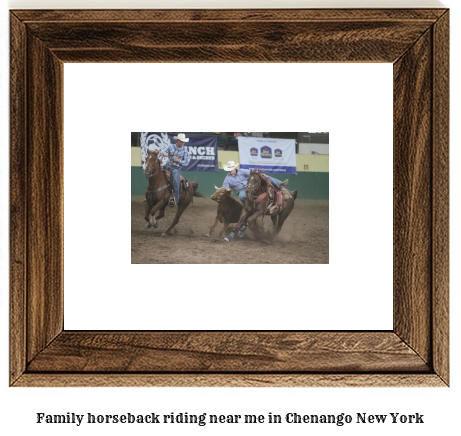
[(229, 209)]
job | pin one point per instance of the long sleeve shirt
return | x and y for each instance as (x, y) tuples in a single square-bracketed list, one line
[(174, 151), (237, 182)]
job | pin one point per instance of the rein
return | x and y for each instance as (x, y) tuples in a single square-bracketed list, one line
[(257, 198)]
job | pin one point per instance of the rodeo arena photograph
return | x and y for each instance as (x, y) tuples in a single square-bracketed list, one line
[(229, 198)]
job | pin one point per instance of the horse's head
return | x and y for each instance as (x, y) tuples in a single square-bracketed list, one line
[(152, 163), (221, 194), (253, 183)]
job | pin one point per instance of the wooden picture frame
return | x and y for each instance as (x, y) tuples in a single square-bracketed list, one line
[(414, 353)]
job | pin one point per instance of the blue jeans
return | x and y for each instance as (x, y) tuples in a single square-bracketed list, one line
[(275, 182), (242, 196), (176, 175), (242, 193)]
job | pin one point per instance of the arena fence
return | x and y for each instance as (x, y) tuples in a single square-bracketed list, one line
[(313, 186), (312, 180)]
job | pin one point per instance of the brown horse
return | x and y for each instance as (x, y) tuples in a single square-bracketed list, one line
[(157, 192), (262, 200)]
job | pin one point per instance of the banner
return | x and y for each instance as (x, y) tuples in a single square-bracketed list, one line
[(203, 149), (272, 155)]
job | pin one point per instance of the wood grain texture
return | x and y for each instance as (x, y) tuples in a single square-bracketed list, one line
[(230, 380), (414, 354), (357, 41), (236, 352), (18, 212), (205, 15), (413, 196), (441, 212), (45, 200)]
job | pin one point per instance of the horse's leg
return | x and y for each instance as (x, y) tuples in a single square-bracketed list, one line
[(252, 219), (243, 219), (283, 215), (249, 222), (282, 219), (256, 215), (212, 227), (152, 219), (161, 212), (181, 208), (274, 220), (147, 209)]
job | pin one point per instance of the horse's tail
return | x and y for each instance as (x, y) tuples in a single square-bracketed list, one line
[(294, 194), (196, 193)]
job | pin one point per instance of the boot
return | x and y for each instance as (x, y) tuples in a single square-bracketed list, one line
[(284, 183)]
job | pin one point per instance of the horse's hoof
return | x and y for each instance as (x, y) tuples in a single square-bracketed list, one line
[(207, 236), (148, 225), (155, 225), (226, 239)]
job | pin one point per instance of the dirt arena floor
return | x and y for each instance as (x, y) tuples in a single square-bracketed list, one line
[(304, 237)]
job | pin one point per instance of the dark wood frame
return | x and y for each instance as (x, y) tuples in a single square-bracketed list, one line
[(414, 353)]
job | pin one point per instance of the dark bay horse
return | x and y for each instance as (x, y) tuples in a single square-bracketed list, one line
[(157, 193), (262, 200)]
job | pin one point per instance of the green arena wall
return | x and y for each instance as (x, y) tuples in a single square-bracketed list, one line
[(312, 180)]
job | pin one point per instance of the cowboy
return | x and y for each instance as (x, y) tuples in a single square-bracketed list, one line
[(237, 180), (178, 158)]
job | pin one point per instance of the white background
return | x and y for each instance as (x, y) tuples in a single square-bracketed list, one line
[(353, 292), (439, 406)]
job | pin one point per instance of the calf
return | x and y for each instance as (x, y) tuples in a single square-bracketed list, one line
[(229, 209)]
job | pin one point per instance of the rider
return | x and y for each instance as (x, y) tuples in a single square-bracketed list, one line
[(237, 180), (178, 158)]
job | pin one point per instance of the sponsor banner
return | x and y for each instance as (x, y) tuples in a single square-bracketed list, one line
[(203, 149), (272, 155)]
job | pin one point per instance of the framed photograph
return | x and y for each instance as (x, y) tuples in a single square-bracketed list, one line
[(414, 353)]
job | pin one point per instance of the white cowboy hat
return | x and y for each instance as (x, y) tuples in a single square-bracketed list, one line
[(230, 166), (181, 137)]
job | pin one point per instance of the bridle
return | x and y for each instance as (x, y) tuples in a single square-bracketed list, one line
[(149, 170), (253, 186)]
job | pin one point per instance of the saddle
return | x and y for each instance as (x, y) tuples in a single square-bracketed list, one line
[(276, 196), (183, 182)]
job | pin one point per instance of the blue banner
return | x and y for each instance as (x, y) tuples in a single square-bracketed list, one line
[(203, 149)]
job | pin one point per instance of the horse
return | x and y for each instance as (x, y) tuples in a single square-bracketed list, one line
[(264, 199), (157, 192)]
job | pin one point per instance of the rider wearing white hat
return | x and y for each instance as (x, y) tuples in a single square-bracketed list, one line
[(237, 180), (178, 158), (181, 137)]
